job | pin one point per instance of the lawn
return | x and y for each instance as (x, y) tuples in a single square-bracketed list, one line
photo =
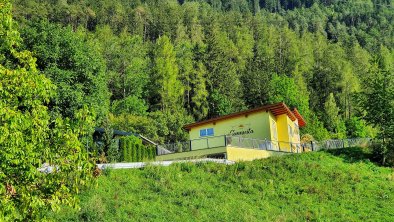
[(320, 186)]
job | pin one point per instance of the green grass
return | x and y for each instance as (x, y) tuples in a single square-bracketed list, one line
[(319, 186)]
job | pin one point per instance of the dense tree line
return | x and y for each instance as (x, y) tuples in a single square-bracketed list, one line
[(156, 65), (151, 66)]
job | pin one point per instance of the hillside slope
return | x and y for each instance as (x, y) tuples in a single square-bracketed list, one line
[(311, 186)]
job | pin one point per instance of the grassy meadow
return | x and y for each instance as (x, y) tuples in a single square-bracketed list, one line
[(340, 185)]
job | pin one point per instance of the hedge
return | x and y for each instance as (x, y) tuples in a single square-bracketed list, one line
[(132, 150)]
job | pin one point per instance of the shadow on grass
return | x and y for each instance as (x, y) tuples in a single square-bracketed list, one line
[(353, 155)]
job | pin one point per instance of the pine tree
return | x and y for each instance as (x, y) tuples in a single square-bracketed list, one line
[(166, 84), (222, 71), (331, 113), (192, 74), (378, 101), (199, 103)]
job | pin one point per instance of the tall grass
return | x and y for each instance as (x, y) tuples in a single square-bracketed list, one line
[(316, 186)]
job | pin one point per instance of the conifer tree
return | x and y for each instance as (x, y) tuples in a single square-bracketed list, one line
[(331, 113), (378, 101), (166, 83), (222, 71)]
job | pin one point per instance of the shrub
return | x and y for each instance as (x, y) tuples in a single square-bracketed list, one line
[(383, 152), (133, 150), (357, 128)]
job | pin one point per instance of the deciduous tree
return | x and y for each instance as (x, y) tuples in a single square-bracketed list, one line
[(30, 136)]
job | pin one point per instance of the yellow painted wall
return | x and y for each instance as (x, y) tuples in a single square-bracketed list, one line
[(258, 122), (245, 154), (274, 131), (282, 122), (296, 137), (287, 142)]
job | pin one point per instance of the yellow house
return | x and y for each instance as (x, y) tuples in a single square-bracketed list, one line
[(251, 134)]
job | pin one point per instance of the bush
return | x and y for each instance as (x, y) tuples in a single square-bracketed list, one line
[(390, 157), (357, 128), (133, 150), (110, 144), (383, 152)]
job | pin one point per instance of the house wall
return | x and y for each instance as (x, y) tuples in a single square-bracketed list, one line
[(246, 154), (288, 140), (282, 122), (296, 134), (273, 127), (232, 153), (254, 125)]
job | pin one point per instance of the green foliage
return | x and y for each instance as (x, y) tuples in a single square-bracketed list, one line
[(73, 63), (208, 58), (170, 125), (30, 136), (127, 62), (110, 145), (192, 74), (198, 105), (333, 120), (378, 100), (144, 125), (316, 129), (158, 65), (220, 104), (357, 128), (341, 130), (167, 87), (133, 150), (331, 113), (130, 105), (310, 186), (284, 89), (221, 63)]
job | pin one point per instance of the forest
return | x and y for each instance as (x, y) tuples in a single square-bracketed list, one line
[(151, 66)]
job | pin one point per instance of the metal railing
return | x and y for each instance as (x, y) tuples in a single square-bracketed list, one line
[(338, 143), (251, 143), (191, 145), (271, 145), (296, 147)]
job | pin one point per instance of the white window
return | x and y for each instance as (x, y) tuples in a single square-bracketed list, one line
[(206, 132)]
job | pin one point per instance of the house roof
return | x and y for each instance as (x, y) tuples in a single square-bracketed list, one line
[(276, 109), (301, 120)]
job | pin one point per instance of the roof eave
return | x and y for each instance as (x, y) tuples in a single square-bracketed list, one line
[(272, 107)]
